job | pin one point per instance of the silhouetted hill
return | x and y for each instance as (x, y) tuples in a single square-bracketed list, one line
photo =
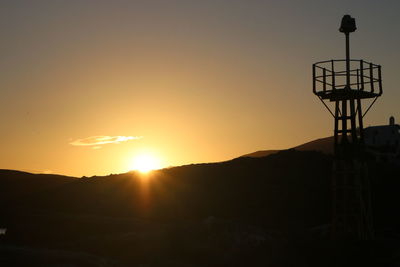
[(200, 207), (285, 184), (266, 211), (17, 184), (324, 145), (260, 153)]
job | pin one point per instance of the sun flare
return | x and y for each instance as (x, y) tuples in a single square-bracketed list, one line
[(145, 163)]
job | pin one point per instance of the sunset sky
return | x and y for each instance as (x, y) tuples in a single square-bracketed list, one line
[(86, 86)]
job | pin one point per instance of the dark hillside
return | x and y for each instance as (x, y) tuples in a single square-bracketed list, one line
[(324, 145), (267, 211), (17, 184), (279, 190)]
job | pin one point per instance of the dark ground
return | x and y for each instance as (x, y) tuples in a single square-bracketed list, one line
[(269, 211)]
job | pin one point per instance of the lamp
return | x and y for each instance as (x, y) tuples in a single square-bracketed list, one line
[(348, 24)]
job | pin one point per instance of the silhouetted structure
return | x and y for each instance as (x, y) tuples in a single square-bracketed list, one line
[(383, 142), (345, 82)]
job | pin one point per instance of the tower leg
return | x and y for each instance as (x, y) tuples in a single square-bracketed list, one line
[(344, 140), (351, 198), (354, 137), (336, 127), (352, 216), (360, 122)]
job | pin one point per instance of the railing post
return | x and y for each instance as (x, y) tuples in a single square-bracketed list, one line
[(324, 79), (380, 80), (362, 75), (313, 75), (333, 75), (371, 77), (358, 79)]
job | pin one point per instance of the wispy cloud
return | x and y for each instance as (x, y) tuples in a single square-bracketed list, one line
[(96, 141)]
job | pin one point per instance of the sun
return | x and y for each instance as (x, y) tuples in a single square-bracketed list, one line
[(145, 163)]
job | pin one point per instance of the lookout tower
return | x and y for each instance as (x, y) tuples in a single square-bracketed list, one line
[(344, 84)]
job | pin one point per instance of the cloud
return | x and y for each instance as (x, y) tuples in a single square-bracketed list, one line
[(98, 140)]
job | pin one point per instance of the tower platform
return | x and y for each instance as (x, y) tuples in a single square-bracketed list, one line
[(343, 94), (329, 80)]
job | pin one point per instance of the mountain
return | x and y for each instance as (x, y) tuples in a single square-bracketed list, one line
[(260, 153), (265, 211), (324, 145), (177, 213), (194, 192), (17, 184)]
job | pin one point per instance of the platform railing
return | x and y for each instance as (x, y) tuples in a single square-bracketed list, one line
[(330, 75)]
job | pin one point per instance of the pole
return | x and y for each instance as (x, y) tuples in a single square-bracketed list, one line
[(347, 60)]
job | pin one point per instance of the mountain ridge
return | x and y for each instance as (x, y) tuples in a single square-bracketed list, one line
[(229, 212), (324, 145)]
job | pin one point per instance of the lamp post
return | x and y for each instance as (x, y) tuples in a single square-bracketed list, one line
[(347, 26)]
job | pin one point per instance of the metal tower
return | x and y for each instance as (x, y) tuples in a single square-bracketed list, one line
[(345, 83)]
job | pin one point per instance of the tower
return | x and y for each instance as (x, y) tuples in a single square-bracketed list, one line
[(344, 84)]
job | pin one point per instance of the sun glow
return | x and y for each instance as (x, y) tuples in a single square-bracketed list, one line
[(145, 163)]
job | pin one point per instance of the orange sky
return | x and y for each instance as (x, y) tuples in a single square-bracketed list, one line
[(189, 81)]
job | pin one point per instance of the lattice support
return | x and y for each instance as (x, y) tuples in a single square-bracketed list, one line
[(345, 83)]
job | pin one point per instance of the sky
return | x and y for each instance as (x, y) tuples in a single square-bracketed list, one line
[(86, 86)]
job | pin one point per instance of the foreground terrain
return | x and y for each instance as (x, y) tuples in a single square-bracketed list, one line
[(264, 211)]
